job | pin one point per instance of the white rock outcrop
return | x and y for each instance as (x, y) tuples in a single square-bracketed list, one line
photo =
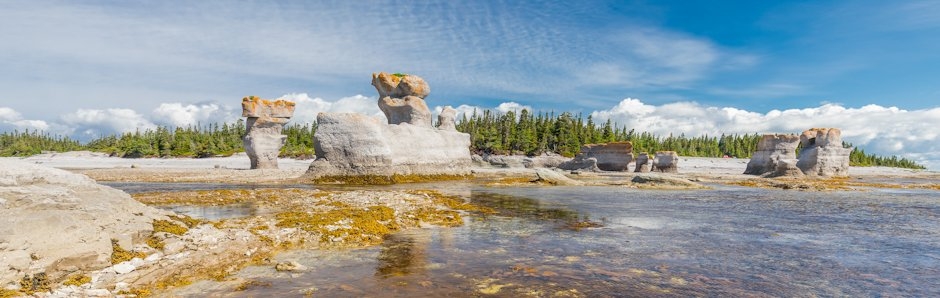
[(56, 222), (822, 153), (349, 144), (263, 139), (771, 149)]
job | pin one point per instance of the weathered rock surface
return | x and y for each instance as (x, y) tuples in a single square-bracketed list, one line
[(356, 145), (56, 222), (609, 157), (666, 162), (447, 119), (401, 98), (580, 164), (520, 161), (263, 139), (643, 163), (554, 178), (785, 168), (822, 153), (771, 149), (660, 181)]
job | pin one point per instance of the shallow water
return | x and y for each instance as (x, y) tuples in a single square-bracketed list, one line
[(730, 241)]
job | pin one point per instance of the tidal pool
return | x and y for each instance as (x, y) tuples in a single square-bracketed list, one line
[(611, 241)]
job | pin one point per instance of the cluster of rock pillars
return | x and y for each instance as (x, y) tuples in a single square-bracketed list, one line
[(350, 144)]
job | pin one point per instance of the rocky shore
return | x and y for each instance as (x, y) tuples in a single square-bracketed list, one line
[(65, 235)]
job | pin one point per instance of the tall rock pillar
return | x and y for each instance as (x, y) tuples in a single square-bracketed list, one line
[(263, 139)]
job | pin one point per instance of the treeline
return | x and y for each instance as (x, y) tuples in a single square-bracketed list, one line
[(490, 133), (26, 143), (533, 134), (505, 133), (199, 141)]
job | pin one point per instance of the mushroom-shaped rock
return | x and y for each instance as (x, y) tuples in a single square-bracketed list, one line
[(401, 98), (666, 162), (770, 150), (263, 139), (353, 145)]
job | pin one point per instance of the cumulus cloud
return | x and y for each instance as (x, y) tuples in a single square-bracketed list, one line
[(512, 106), (10, 118), (94, 122), (178, 114), (307, 108), (877, 129)]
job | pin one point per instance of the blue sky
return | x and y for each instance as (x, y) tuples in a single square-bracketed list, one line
[(74, 65)]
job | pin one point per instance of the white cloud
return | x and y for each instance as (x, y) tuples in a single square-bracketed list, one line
[(306, 108), (512, 106), (877, 129), (93, 122), (10, 118), (177, 114)]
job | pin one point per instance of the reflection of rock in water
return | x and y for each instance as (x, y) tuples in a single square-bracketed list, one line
[(401, 255), (522, 207)]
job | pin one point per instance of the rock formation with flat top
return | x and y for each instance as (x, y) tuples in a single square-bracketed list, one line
[(666, 162), (642, 163), (263, 139), (614, 156), (822, 153), (349, 144), (770, 150)]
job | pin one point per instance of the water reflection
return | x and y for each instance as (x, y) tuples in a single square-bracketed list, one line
[(400, 255), (729, 242), (212, 212)]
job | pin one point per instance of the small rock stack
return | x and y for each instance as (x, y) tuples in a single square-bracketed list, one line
[(773, 150), (666, 162), (642, 163), (822, 153), (263, 139)]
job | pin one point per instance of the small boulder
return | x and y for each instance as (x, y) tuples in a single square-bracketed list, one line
[(290, 266), (554, 178)]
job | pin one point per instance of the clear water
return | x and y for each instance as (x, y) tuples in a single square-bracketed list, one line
[(725, 242)]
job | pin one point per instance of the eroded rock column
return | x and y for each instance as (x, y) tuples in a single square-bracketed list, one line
[(263, 139), (822, 153), (642, 163), (771, 149)]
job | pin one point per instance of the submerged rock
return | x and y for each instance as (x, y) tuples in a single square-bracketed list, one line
[(56, 222), (664, 181), (771, 150), (263, 139)]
